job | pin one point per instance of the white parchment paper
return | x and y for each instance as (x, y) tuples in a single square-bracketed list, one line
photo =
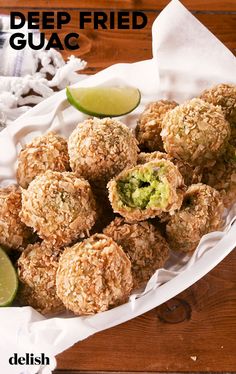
[(187, 58)]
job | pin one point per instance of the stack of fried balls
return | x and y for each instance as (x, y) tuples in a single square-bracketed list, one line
[(94, 217)]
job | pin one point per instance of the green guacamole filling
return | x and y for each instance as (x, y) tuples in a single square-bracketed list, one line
[(144, 188)]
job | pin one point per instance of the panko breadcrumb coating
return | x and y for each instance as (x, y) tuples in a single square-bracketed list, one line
[(200, 214), (37, 267), (100, 148), (191, 174), (143, 244), (59, 206), (225, 96), (94, 275), (146, 191), (223, 176), (196, 132), (13, 233), (46, 152), (149, 125)]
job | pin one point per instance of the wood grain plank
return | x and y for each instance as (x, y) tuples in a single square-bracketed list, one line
[(210, 5), (102, 48), (151, 344)]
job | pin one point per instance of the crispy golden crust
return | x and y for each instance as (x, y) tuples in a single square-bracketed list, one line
[(149, 125), (172, 177), (143, 244), (93, 275), (13, 233), (100, 148), (37, 267), (196, 132), (200, 214), (223, 176), (225, 96), (47, 152), (59, 206), (191, 174)]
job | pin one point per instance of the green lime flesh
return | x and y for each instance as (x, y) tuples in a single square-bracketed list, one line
[(104, 101), (8, 280)]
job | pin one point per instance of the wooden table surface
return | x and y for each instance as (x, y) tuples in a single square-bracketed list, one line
[(196, 331)]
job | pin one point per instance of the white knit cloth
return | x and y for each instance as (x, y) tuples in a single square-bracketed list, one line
[(25, 71)]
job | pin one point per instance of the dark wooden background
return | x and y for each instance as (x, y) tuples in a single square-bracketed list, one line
[(196, 331)]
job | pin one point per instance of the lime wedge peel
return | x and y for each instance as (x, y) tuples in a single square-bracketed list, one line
[(8, 280), (104, 101)]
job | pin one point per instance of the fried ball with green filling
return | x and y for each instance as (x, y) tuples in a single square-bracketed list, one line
[(200, 214), (59, 206), (223, 176), (94, 275), (46, 152), (191, 174), (147, 191), (37, 267), (13, 232), (99, 149), (195, 132), (143, 244), (149, 125)]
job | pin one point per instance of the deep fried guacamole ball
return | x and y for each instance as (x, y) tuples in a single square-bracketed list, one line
[(191, 174), (37, 267), (200, 214), (99, 149), (149, 125), (143, 244), (146, 191), (94, 275), (222, 176), (59, 206), (195, 132), (46, 152), (13, 232), (225, 96)]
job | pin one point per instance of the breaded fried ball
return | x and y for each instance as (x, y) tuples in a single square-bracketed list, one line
[(223, 176), (94, 275), (149, 125), (191, 174), (59, 206), (195, 132), (200, 214), (225, 96), (13, 233), (46, 152), (101, 148), (146, 191), (37, 267), (143, 244)]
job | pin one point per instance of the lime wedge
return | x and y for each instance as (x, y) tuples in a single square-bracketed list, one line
[(104, 101), (8, 280)]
